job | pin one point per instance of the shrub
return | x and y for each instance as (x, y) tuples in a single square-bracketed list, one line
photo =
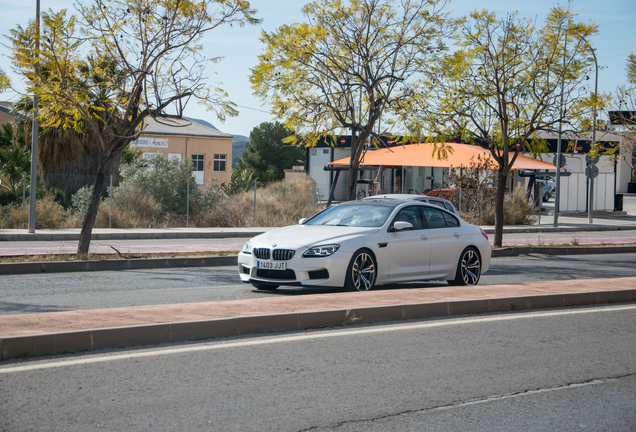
[(517, 210)]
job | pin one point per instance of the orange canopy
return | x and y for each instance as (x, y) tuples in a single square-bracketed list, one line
[(458, 155)]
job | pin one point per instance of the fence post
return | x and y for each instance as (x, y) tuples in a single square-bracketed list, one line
[(188, 205), (23, 196), (460, 200), (254, 221), (110, 195), (313, 195)]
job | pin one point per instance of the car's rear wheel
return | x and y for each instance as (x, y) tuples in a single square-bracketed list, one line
[(264, 286), (361, 272), (468, 268)]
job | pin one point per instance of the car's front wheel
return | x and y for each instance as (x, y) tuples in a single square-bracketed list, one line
[(361, 272), (546, 197), (263, 286), (468, 268)]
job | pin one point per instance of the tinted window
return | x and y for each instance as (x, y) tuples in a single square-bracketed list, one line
[(353, 216), (434, 217), (438, 204), (410, 215), (450, 220)]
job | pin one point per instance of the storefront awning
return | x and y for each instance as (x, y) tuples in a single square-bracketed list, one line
[(457, 156)]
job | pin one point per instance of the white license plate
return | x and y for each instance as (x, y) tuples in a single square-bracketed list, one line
[(271, 265)]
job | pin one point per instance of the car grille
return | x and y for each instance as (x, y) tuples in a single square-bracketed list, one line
[(276, 254), (276, 274), (319, 274)]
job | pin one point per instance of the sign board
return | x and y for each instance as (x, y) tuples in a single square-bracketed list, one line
[(150, 142), (591, 160), (591, 171), (562, 160)]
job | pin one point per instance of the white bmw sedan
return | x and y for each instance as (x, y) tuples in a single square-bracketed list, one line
[(359, 244)]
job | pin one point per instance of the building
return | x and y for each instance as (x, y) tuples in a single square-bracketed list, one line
[(209, 149), (6, 115)]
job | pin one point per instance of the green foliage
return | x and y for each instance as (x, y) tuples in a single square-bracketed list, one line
[(5, 82), (117, 62), (631, 69), (14, 161), (166, 182), (346, 66), (267, 156), (507, 81)]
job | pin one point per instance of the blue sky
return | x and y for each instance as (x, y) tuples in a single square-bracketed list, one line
[(240, 46)]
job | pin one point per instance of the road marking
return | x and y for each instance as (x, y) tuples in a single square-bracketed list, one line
[(303, 337)]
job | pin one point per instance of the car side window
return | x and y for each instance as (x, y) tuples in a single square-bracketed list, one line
[(449, 207), (438, 204), (411, 215), (450, 220), (434, 217)]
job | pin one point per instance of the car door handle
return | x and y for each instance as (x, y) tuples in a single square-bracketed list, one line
[(456, 234), (424, 237)]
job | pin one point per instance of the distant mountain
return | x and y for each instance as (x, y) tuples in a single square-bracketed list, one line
[(239, 145), (239, 142)]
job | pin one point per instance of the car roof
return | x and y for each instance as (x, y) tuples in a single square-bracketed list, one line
[(405, 197)]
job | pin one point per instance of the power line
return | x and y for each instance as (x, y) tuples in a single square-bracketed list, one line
[(253, 109)]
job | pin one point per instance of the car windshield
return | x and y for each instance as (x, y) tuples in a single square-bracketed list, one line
[(352, 216)]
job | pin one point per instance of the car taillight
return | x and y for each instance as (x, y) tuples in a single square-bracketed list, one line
[(484, 234)]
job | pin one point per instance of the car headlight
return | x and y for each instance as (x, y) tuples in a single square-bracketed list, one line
[(321, 251), (247, 247)]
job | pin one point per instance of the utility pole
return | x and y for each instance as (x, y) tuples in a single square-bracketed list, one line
[(34, 131)]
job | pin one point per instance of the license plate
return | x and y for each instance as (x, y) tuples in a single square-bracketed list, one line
[(271, 265)]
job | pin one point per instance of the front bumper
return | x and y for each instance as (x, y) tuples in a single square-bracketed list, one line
[(325, 271)]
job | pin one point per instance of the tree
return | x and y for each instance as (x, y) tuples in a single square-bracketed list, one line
[(267, 156), (507, 81), (623, 119), (131, 59), (346, 67), (5, 82)]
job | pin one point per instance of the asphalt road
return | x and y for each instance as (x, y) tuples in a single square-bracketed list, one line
[(568, 370), (22, 294)]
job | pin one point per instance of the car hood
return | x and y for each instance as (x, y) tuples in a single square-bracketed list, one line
[(308, 235)]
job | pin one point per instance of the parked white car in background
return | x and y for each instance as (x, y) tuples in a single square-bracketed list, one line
[(360, 244), (439, 202)]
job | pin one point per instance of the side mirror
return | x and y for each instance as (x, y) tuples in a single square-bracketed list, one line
[(401, 226), (302, 221)]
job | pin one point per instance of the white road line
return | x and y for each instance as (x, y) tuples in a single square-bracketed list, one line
[(304, 337)]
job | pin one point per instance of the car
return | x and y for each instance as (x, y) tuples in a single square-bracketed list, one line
[(548, 187), (440, 202), (357, 245)]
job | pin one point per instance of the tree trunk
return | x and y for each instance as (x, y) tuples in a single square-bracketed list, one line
[(93, 206), (499, 207)]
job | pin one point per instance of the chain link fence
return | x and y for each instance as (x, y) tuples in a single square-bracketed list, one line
[(163, 196)]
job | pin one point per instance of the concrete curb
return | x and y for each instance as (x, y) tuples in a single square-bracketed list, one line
[(232, 260), (121, 337), (564, 250), (134, 235), (533, 229), (122, 264)]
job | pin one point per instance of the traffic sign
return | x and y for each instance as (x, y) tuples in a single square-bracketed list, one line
[(591, 171), (591, 160), (562, 160)]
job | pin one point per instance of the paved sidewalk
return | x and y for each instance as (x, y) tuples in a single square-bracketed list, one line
[(60, 332)]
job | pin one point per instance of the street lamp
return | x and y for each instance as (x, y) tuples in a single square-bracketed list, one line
[(34, 132), (590, 201)]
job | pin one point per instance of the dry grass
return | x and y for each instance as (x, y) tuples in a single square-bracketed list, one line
[(278, 204), (50, 215), (98, 257)]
